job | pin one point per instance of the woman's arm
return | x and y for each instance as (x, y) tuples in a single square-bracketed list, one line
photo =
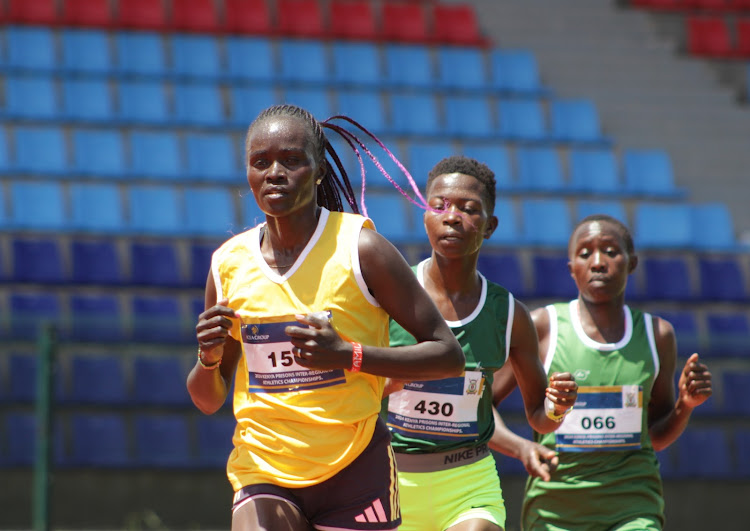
[(667, 417), (208, 388), (538, 460)]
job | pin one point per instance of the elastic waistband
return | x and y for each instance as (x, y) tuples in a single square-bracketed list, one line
[(441, 460)]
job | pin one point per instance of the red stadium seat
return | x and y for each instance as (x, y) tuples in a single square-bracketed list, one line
[(740, 5), (708, 36), (405, 22), (743, 38), (707, 5), (353, 19), (248, 17), (457, 24), (142, 14), (300, 18), (92, 13), (43, 12), (194, 15)]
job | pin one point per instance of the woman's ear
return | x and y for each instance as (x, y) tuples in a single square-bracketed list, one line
[(491, 226), (632, 263)]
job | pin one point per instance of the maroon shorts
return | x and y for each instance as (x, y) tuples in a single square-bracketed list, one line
[(363, 496)]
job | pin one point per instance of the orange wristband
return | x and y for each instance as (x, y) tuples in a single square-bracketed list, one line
[(356, 357)]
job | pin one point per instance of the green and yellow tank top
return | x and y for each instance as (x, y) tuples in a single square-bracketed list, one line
[(298, 427), (605, 451), (443, 415)]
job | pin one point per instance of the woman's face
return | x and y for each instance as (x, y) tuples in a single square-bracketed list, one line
[(464, 222), (599, 261), (281, 165)]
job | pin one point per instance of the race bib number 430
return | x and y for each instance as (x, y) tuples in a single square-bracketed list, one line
[(606, 418), (438, 409), (271, 365)]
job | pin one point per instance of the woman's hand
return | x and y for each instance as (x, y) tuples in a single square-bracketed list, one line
[(318, 345), (213, 329)]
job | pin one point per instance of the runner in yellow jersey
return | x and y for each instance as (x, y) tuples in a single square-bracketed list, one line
[(297, 313)]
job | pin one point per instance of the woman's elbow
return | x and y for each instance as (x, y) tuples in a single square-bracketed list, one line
[(455, 362)]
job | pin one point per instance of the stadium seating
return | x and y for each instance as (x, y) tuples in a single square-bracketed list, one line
[(703, 452), (457, 24), (195, 57), (649, 173), (154, 264), (217, 202), (143, 15), (546, 222), (250, 17), (215, 439), (162, 440), (96, 208), (660, 225), (708, 36), (497, 158), (96, 262), (33, 11), (97, 318), (91, 13), (575, 121), (31, 311), (594, 171), (157, 319), (461, 69), (552, 278), (159, 381), (468, 117), (155, 210), (356, 63), (140, 54), (143, 102), (408, 66), (668, 278), (404, 22), (539, 170), (734, 387), (353, 19), (31, 49), (88, 100), (37, 261), (722, 280), (198, 105), (522, 120), (239, 68), (31, 98), (414, 114), (727, 333), (614, 208), (303, 61), (364, 106), (37, 205), (99, 440), (97, 379), (504, 269), (300, 18), (515, 72), (86, 51), (195, 16)]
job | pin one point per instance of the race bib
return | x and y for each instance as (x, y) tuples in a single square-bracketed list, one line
[(271, 365), (438, 409), (606, 418)]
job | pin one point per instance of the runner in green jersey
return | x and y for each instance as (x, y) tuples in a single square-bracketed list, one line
[(441, 428), (624, 362)]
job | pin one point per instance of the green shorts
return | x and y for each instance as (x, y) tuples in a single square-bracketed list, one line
[(434, 501)]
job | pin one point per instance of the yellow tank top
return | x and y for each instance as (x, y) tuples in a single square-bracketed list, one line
[(297, 427)]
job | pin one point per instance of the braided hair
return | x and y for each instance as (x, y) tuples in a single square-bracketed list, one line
[(332, 186)]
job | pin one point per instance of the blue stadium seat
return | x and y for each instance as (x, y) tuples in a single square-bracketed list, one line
[(251, 213), (143, 102), (21, 440), (162, 440), (86, 51), (5, 165), (41, 150), (660, 225), (742, 456), (408, 66), (734, 389), (389, 212), (649, 173), (96, 318), (198, 105), (540, 170), (22, 387), (685, 325), (461, 68), (594, 171), (614, 208), (356, 64), (248, 102), (37, 260), (95, 262), (504, 269), (87, 100), (522, 120), (552, 278), (210, 212), (364, 106), (156, 154), (513, 403), (469, 117), (154, 264), (31, 49), (415, 114), (576, 121), (195, 56), (215, 439), (212, 157), (97, 379), (303, 61), (497, 158), (704, 452), (37, 205), (424, 155), (30, 311), (712, 228), (515, 71), (507, 231), (728, 333), (316, 100), (546, 222), (200, 263), (140, 53), (31, 98), (668, 279), (96, 207), (250, 59), (99, 440), (158, 319), (99, 153), (722, 279), (667, 462), (155, 210), (160, 381)]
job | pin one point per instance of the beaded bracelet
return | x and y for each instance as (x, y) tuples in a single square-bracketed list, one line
[(210, 367)]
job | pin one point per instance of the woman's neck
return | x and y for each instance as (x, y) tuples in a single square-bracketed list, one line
[(454, 285), (604, 321)]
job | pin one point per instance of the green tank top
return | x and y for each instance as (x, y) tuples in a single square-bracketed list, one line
[(605, 452), (443, 415)]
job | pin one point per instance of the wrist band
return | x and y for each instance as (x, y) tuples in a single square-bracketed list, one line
[(549, 409), (356, 357), (209, 367)]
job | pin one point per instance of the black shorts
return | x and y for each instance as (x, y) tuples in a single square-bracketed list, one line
[(363, 496)]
